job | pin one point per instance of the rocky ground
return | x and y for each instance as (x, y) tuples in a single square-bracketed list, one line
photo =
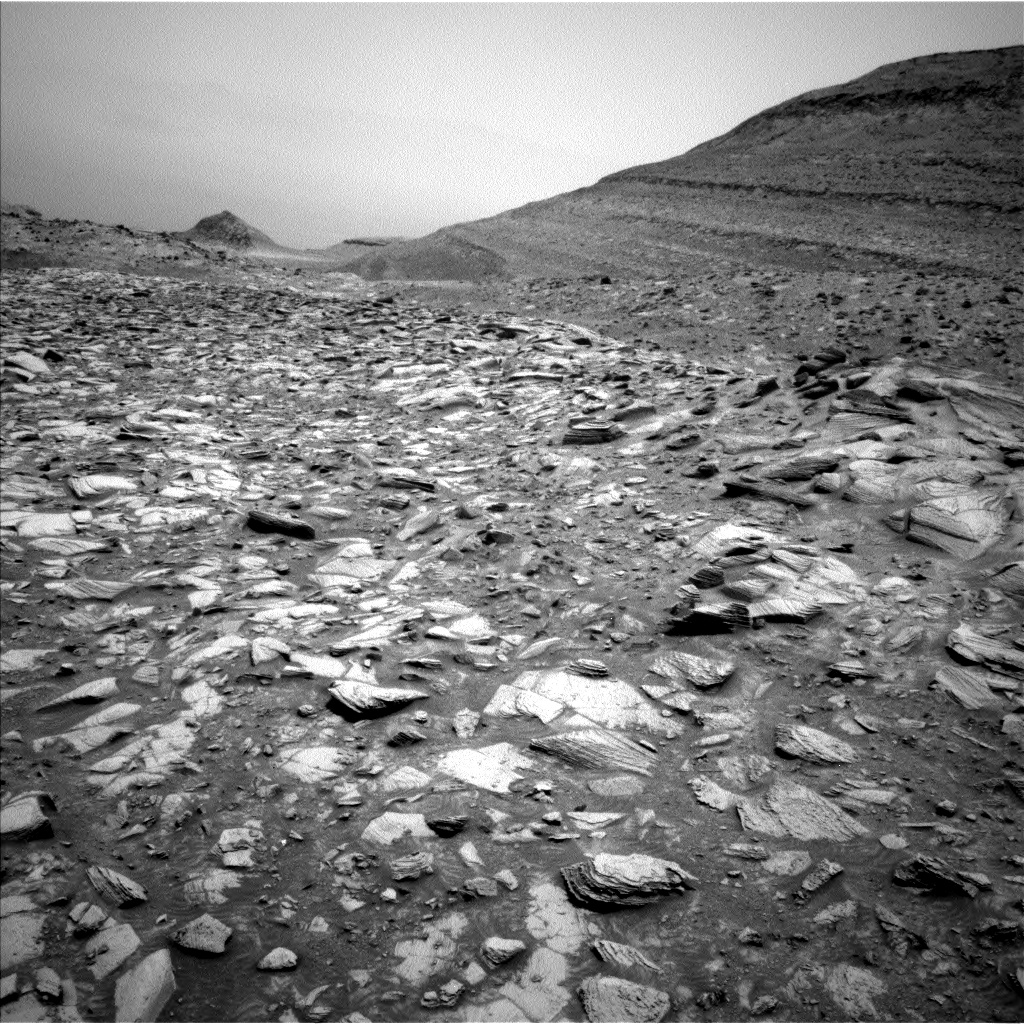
[(548, 649)]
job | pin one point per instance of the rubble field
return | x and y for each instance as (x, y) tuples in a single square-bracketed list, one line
[(366, 658)]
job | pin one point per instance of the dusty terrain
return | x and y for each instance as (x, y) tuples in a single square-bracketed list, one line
[(538, 647)]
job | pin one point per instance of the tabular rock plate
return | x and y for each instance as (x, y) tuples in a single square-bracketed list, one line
[(812, 745), (968, 687), (592, 432), (492, 768), (391, 826), (614, 999), (964, 525), (612, 703), (720, 617), (700, 672), (140, 994), (511, 702), (110, 947), (633, 880), (983, 650), (790, 809), (412, 867), (315, 764), (368, 699), (203, 935), (47, 524), (23, 817), (88, 693), (100, 483), (116, 888), (597, 748), (264, 521)]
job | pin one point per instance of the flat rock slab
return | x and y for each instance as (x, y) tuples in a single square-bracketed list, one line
[(492, 768), (110, 947), (142, 992), (21, 931)]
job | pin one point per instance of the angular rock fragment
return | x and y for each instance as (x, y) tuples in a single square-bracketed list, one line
[(447, 995), (615, 999), (450, 825), (623, 954), (279, 959), (405, 479), (23, 817), (116, 888), (812, 745), (86, 918), (702, 673), (265, 521), (142, 992), (204, 935), (933, 874), (479, 888), (465, 722), (633, 880), (368, 699), (711, 794), (899, 936), (821, 875), (497, 950)]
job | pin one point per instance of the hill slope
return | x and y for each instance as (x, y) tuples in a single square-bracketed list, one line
[(225, 229), (916, 163)]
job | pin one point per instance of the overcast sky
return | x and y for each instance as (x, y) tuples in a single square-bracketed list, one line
[(317, 122)]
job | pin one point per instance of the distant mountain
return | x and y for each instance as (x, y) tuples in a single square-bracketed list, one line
[(919, 161), (227, 230), (19, 210)]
